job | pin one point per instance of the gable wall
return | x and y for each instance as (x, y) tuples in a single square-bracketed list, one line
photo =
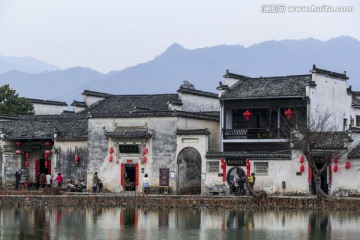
[(195, 103)]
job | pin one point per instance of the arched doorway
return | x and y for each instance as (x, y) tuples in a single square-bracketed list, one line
[(189, 171), (231, 174)]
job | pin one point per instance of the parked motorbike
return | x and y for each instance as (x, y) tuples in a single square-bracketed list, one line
[(72, 187), (81, 184)]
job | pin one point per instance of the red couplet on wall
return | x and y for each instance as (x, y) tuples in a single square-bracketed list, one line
[(310, 174), (37, 169), (122, 174), (137, 174)]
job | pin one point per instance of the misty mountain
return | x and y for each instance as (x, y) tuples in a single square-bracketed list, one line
[(204, 67), (24, 64)]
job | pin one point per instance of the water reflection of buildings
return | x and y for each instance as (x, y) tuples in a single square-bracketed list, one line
[(113, 223)]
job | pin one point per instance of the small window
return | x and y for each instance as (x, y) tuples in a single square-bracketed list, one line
[(358, 120), (129, 149), (261, 168), (213, 166)]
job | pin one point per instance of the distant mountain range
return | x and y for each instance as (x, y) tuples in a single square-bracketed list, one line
[(203, 67)]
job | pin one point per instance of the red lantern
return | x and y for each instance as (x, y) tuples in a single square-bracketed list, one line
[(144, 159), (47, 151), (18, 152), (46, 164), (302, 168), (77, 158), (110, 158), (247, 114), (223, 167), (336, 159), (289, 113), (336, 168), (27, 163), (111, 150), (144, 150), (18, 143), (27, 155), (347, 164), (48, 143), (302, 159), (46, 156)]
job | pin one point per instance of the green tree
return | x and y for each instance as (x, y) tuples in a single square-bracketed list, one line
[(11, 104)]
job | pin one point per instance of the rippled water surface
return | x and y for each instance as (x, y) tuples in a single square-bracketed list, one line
[(127, 223)]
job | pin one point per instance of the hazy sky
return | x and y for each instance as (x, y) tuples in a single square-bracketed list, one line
[(114, 34)]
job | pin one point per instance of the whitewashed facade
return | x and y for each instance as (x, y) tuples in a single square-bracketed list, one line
[(259, 139)]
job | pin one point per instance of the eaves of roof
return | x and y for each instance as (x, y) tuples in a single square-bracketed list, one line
[(204, 131), (250, 156), (95, 94), (197, 92), (141, 114), (46, 102)]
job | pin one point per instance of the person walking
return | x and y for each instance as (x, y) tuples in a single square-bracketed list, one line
[(17, 179), (59, 180), (95, 181), (242, 181), (236, 184), (146, 184)]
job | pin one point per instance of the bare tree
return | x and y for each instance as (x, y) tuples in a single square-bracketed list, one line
[(320, 141)]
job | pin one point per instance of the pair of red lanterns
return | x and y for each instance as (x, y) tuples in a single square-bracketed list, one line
[(336, 160), (111, 151), (288, 113), (144, 152)]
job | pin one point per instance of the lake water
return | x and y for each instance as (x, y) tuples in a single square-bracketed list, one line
[(126, 223)]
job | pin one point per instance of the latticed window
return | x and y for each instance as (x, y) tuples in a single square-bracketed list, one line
[(213, 166), (261, 168)]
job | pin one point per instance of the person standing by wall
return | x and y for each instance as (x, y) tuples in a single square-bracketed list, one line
[(146, 184), (95, 181), (17, 179), (236, 184), (42, 180), (252, 180), (48, 180)]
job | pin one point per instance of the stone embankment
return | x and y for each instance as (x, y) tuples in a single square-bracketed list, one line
[(39, 200)]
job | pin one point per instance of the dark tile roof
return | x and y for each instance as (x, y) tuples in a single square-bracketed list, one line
[(96, 94), (329, 73), (330, 140), (7, 117), (197, 92), (70, 127), (355, 152), (78, 104), (269, 87), (129, 132), (204, 131), (250, 156), (127, 103), (141, 114), (46, 102)]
